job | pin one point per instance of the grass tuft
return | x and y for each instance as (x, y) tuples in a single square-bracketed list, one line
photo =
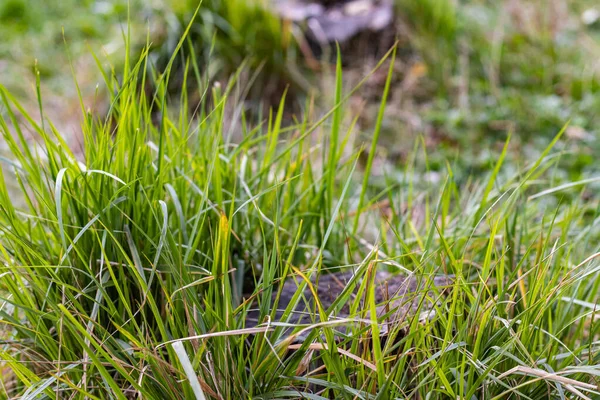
[(130, 269)]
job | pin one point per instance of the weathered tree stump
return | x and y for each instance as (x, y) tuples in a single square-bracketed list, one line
[(397, 296), (330, 21)]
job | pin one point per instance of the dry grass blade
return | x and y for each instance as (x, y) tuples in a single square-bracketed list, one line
[(570, 384), (234, 332), (323, 346), (189, 370)]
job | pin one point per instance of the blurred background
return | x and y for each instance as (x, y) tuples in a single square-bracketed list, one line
[(467, 73)]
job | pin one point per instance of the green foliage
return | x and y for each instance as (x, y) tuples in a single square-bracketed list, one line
[(228, 33), (13, 11), (131, 268), (141, 239), (33, 36), (434, 23), (494, 67)]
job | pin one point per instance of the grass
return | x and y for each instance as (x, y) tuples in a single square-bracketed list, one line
[(494, 67), (34, 34), (129, 269), (227, 34), (466, 76)]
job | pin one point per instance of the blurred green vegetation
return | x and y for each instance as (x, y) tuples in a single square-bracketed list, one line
[(227, 35), (483, 68), (34, 29), (527, 63), (490, 68)]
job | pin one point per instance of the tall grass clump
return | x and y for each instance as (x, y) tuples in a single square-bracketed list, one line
[(129, 270)]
